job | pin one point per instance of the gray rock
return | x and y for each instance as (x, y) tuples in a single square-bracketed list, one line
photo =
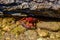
[(59, 2), (33, 5), (55, 6), (51, 0), (28, 0), (38, 0), (25, 5)]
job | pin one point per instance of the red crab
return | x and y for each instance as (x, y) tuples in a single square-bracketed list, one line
[(28, 22), (31, 19)]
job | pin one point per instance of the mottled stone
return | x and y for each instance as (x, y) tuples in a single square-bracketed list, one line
[(52, 35), (42, 33), (31, 34), (58, 35), (42, 39), (18, 30), (25, 5), (48, 25), (33, 5)]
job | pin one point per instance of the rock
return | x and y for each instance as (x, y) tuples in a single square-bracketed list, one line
[(52, 35), (31, 34), (28, 35), (18, 30), (28, 0), (42, 33), (1, 21), (49, 25), (23, 37), (25, 5), (41, 39), (40, 6), (17, 23), (8, 20), (4, 21), (33, 5), (51, 0), (6, 28), (55, 6), (38, 0), (59, 2), (58, 35), (6, 36), (56, 39), (13, 30)]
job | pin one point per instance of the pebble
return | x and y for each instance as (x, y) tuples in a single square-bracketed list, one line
[(41, 39), (18, 30), (24, 5), (42, 33), (6, 28), (31, 34), (59, 2), (33, 5), (52, 35), (58, 35), (48, 25)]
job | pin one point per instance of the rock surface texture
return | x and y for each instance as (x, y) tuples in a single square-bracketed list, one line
[(11, 29), (34, 4)]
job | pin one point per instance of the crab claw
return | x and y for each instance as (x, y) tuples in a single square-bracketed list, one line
[(27, 25)]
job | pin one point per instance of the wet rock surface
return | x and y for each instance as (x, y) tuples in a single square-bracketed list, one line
[(11, 29)]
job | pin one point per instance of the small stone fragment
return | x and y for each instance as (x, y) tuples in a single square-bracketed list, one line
[(42, 33), (52, 35), (31, 34), (41, 39), (17, 30), (6, 28), (58, 35)]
